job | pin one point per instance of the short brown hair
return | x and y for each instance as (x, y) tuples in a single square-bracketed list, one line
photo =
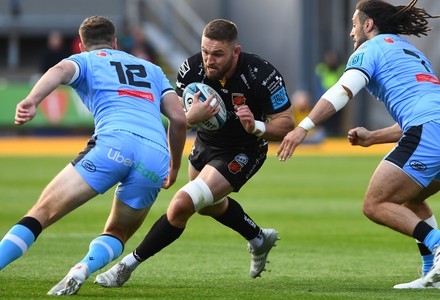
[(221, 30), (97, 30)]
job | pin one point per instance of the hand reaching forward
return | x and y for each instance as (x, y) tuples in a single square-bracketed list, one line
[(290, 142)]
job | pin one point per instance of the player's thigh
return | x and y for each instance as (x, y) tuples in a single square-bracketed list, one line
[(389, 183), (217, 183), (427, 192), (192, 172), (67, 191), (124, 220), (410, 167), (141, 186)]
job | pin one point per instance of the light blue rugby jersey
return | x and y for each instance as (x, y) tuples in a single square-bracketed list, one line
[(401, 77), (122, 92)]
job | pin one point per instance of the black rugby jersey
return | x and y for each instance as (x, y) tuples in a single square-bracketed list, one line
[(255, 83)]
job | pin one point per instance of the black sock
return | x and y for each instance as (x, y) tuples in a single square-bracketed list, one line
[(32, 224), (421, 231), (423, 249), (160, 235), (234, 217)]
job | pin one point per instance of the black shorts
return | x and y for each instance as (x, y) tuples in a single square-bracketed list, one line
[(236, 165)]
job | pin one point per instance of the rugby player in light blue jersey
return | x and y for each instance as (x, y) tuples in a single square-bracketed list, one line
[(126, 96), (401, 77), (365, 138)]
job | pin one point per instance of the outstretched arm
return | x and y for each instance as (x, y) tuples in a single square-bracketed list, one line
[(333, 100), (61, 73), (365, 138)]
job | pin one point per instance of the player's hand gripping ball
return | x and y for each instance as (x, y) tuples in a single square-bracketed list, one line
[(218, 120)]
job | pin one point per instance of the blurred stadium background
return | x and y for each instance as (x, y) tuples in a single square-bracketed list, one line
[(291, 34)]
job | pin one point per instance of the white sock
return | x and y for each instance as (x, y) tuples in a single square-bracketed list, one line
[(131, 261), (257, 241)]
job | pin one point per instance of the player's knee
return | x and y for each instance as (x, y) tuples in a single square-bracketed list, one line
[(368, 209), (216, 209), (199, 193)]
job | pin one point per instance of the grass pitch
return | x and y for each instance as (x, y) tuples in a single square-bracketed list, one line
[(328, 249)]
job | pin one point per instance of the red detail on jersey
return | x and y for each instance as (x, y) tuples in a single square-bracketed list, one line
[(389, 40), (238, 100), (427, 78), (138, 94), (101, 54), (54, 106)]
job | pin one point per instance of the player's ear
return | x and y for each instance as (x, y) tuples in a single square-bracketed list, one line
[(237, 50), (82, 47), (115, 44), (369, 24)]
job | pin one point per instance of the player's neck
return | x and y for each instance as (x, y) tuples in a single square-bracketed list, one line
[(100, 46)]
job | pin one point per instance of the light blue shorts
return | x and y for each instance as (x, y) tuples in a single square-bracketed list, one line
[(418, 153), (139, 165)]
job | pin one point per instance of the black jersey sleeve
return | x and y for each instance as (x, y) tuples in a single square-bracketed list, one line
[(272, 89)]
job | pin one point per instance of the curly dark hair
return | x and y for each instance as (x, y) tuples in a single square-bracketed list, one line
[(400, 19)]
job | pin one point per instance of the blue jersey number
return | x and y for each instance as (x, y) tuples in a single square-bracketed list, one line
[(131, 71)]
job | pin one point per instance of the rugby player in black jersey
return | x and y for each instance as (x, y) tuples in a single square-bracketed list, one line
[(221, 161)]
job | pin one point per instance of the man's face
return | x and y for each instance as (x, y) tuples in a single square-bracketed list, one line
[(357, 31), (217, 58)]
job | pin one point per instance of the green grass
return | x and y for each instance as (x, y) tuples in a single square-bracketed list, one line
[(328, 249)]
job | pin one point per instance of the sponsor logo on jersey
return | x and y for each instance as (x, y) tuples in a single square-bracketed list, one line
[(245, 81), (427, 78), (389, 40), (184, 68), (137, 94), (266, 80), (201, 70), (100, 53), (275, 84), (253, 71), (238, 163), (238, 99), (139, 167), (356, 60), (279, 98)]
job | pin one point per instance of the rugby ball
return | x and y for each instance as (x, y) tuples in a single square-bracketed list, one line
[(215, 122)]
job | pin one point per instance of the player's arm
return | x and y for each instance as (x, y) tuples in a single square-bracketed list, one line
[(171, 108), (334, 99), (365, 138), (61, 73), (278, 126)]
